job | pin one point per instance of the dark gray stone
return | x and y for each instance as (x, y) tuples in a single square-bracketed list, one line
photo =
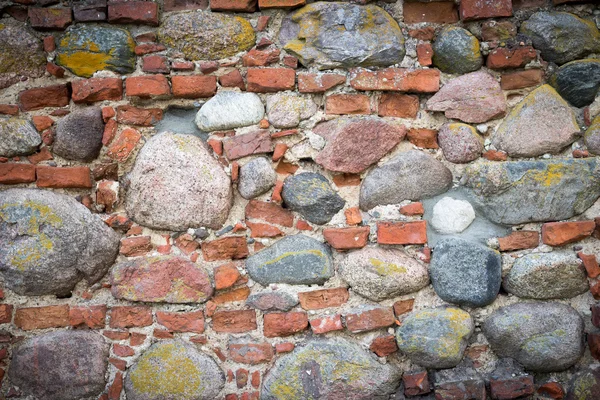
[(272, 301), (311, 195), (18, 137), (456, 51), (21, 54), (79, 135), (578, 81), (256, 177)]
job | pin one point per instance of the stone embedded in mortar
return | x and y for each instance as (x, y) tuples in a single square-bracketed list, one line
[(326, 368), (272, 301), (311, 195), (578, 81), (229, 110), (517, 192), (380, 273), (174, 369), (456, 51), (543, 276), (435, 337), (49, 242), (160, 280), (286, 111), (465, 273), (585, 384), (354, 143), (543, 337), (85, 49), (541, 123), (61, 365), (203, 35), (473, 98), (256, 177), (560, 36), (79, 135), (592, 136), (460, 143), (411, 175), (21, 54), (19, 137), (296, 260), (331, 35), (176, 184), (452, 216)]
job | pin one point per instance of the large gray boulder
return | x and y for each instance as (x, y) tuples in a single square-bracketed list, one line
[(79, 135), (18, 137)]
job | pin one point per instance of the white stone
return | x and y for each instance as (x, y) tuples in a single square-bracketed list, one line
[(229, 110), (286, 111), (452, 216), (256, 177)]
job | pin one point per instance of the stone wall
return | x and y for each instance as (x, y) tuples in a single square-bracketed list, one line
[(268, 199)]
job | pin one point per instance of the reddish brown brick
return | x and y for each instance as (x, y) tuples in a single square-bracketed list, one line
[(97, 89), (269, 212), (155, 64), (237, 321), (42, 317), (370, 319), (92, 317), (265, 4), (13, 173), (353, 216), (318, 83), (251, 353), (326, 324), (479, 9), (6, 311), (135, 246), (512, 388), (261, 230), (49, 18), (284, 324), (260, 58), (590, 263), (147, 86), (412, 209), (421, 137), (264, 80), (398, 105), (561, 233), (348, 104), (521, 79), (425, 54), (133, 12), (519, 240), (233, 5), (232, 79), (247, 144), (402, 232), (551, 390), (130, 317), (63, 177), (181, 321), (347, 238), (384, 345), (148, 48), (504, 57), (324, 298), (396, 79), (121, 148), (443, 12), (402, 307), (194, 86), (130, 115), (9, 109), (49, 96), (231, 247)]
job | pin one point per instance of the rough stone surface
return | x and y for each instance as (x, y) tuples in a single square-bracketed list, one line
[(378, 273), (435, 338), (473, 98), (49, 242), (546, 276), (79, 135), (256, 177), (516, 192), (412, 175), (21, 54), (202, 35), (297, 260), (228, 110), (560, 36), (578, 81), (592, 136), (369, 36), (272, 301), (85, 49), (286, 111), (585, 385), (541, 123), (176, 184), (465, 273), (460, 143), (174, 369), (354, 144), (452, 216), (325, 368), (541, 336), (456, 51), (312, 196), (44, 367), (19, 137)]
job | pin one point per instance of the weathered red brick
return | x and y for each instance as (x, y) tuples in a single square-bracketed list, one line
[(561, 233), (42, 122), (343, 180), (495, 155), (519, 240), (121, 350), (260, 58), (521, 79), (30, 318), (384, 346), (370, 319), (13, 173), (261, 230), (443, 12), (232, 79), (402, 232), (116, 335), (49, 18), (180, 5), (284, 324), (279, 151), (43, 155), (186, 243), (92, 317), (233, 5), (323, 298), (130, 115), (182, 66), (425, 33), (396, 79), (247, 144), (512, 388), (130, 317), (147, 86), (284, 347), (504, 57), (135, 246), (319, 83), (472, 389), (551, 390), (422, 137), (326, 324), (226, 276), (479, 9), (251, 353), (353, 216), (416, 383), (425, 54), (107, 194), (181, 321), (121, 148), (348, 104), (398, 105), (9, 109), (55, 70), (6, 311), (194, 86), (265, 4), (264, 80), (116, 387), (412, 209), (137, 339), (63, 177), (148, 48), (155, 64), (231, 247), (238, 294), (133, 12), (347, 238), (49, 43), (208, 67), (590, 263), (236, 321), (49, 96)]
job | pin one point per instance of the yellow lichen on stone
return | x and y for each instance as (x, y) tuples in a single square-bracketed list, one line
[(385, 268), (84, 63)]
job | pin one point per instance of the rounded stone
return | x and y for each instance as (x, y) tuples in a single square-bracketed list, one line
[(465, 273), (460, 143), (203, 35), (296, 260), (21, 54), (256, 177), (49, 242), (19, 137), (286, 111), (380, 273), (452, 216), (585, 384), (435, 338), (79, 135), (311, 195), (272, 301), (544, 337), (369, 36), (85, 49), (326, 368), (229, 110), (411, 175), (456, 51), (547, 276), (592, 136), (578, 81), (174, 370), (176, 184), (61, 365)]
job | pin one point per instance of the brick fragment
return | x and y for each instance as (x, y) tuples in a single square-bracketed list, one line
[(443, 12), (396, 79), (370, 319), (412, 209), (181, 321), (590, 263), (284, 324), (398, 105), (232, 247), (63, 177), (155, 64), (319, 83), (340, 104), (425, 54), (251, 353), (226, 276), (6, 312), (551, 390), (49, 96), (233, 5), (236, 321), (561, 233), (247, 144), (519, 240), (503, 57), (402, 232), (130, 317), (265, 80), (232, 79), (266, 4), (324, 298), (261, 230), (269, 212), (14, 173), (347, 238), (133, 12), (30, 318), (424, 138), (512, 388), (479, 9), (495, 155), (121, 350), (130, 115), (353, 216), (521, 79), (49, 18), (9, 109), (97, 89), (384, 346), (92, 317), (194, 86), (90, 11), (326, 324), (402, 307), (147, 86), (416, 383), (121, 148), (260, 58)]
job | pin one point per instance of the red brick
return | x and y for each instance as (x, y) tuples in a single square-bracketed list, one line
[(512, 388), (116, 335), (504, 57), (412, 209), (130, 317), (326, 324), (521, 79), (250, 353), (402, 232), (133, 12), (239, 294), (233, 5), (260, 58), (63, 177), (6, 311), (237, 321), (121, 350), (194, 86), (438, 12), (561, 233), (180, 5), (353, 216), (92, 317), (232, 247), (148, 48), (276, 196), (13, 173), (49, 96), (182, 66), (416, 383), (343, 180), (115, 389), (370, 319), (424, 138), (495, 155), (269, 212), (147, 86), (107, 113), (590, 263), (479, 9), (247, 144), (398, 105), (9, 109), (42, 317), (319, 83), (551, 390), (181, 321), (323, 298), (49, 18), (425, 33), (279, 152), (264, 4), (472, 389), (42, 122), (119, 364), (264, 80), (284, 324), (49, 44), (519, 240), (226, 276), (232, 79), (396, 79), (107, 193), (425, 54), (137, 339), (402, 307), (384, 345), (135, 246), (130, 115), (186, 243), (121, 148), (241, 378), (261, 230), (55, 70), (348, 104), (208, 67), (290, 61), (155, 64), (347, 238), (284, 347), (255, 380)]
